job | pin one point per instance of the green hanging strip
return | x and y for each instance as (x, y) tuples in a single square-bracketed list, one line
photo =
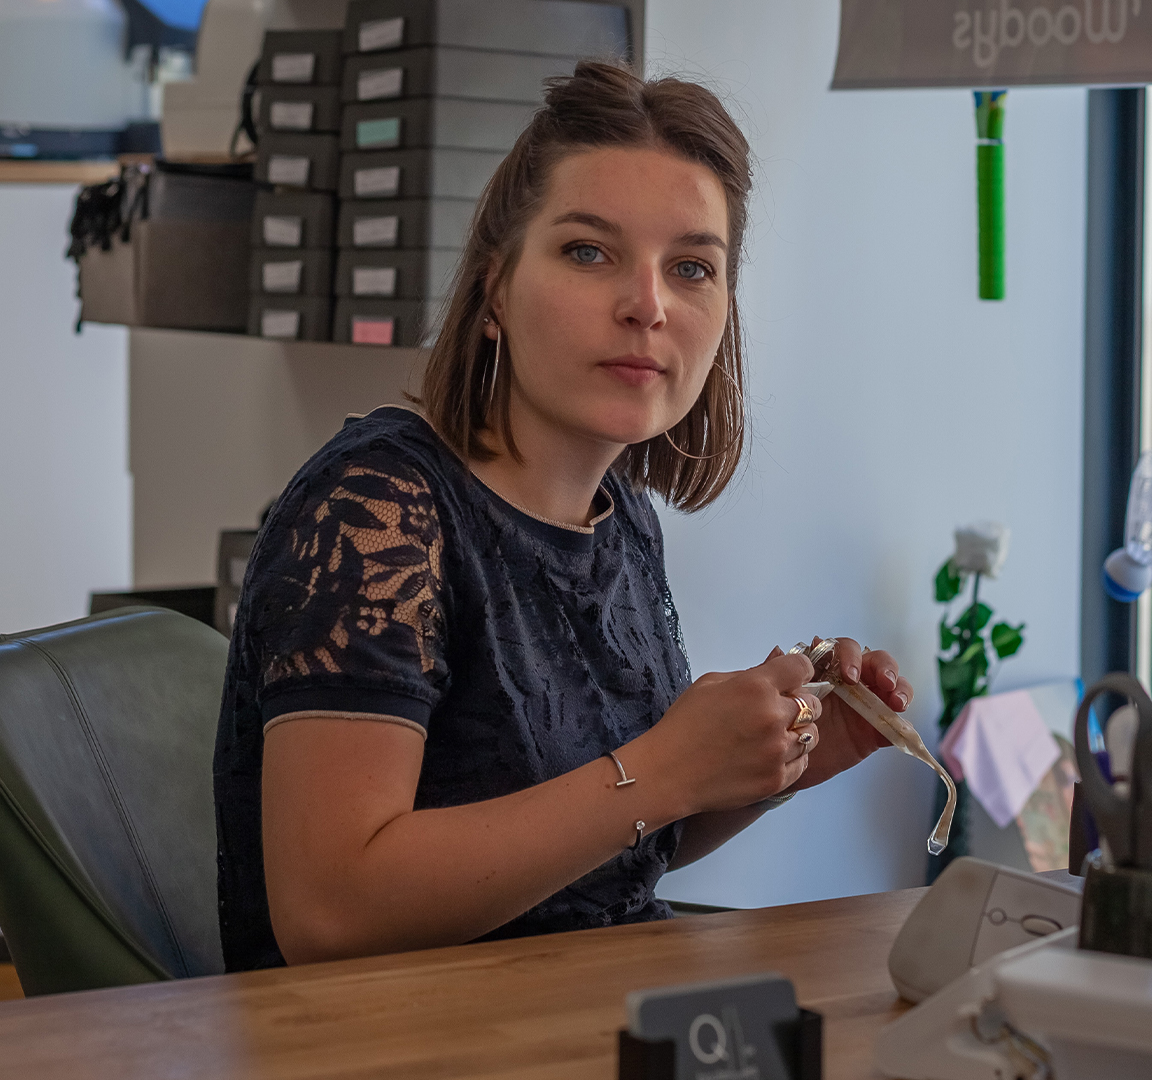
[(990, 190)]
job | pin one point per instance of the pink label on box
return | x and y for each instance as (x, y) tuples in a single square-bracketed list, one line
[(367, 331)]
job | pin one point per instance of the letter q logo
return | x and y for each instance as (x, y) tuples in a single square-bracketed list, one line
[(716, 1040)]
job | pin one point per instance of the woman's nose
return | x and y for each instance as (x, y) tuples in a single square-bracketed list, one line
[(641, 302)]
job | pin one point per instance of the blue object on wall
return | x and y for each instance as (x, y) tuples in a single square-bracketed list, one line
[(182, 13)]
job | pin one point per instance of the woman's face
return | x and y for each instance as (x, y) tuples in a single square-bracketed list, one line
[(615, 311)]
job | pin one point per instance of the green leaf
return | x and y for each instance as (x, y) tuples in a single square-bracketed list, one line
[(948, 583), (1007, 639), (958, 674), (983, 614), (948, 636), (975, 649)]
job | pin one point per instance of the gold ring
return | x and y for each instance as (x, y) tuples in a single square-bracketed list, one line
[(806, 716), (805, 739)]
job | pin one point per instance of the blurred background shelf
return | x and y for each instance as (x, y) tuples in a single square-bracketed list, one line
[(219, 423)]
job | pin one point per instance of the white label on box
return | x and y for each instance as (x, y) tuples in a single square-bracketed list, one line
[(291, 115), (293, 67), (283, 231), (280, 324), (381, 34), (289, 170), (375, 231), (282, 277), (380, 83), (382, 182), (373, 281)]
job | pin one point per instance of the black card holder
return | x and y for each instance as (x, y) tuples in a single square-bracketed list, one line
[(801, 1044)]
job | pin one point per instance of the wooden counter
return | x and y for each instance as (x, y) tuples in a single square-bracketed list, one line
[(545, 1008), (57, 172)]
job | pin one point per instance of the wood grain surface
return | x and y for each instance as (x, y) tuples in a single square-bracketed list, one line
[(544, 1008), (57, 172)]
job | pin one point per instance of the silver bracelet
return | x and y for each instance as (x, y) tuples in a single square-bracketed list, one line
[(773, 801), (624, 781)]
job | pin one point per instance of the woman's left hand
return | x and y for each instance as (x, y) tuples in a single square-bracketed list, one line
[(846, 738)]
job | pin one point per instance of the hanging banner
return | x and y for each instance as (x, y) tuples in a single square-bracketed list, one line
[(993, 43)]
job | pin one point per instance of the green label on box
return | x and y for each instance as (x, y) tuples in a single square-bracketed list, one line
[(376, 133)]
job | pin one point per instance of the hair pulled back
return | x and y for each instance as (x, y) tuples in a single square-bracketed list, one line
[(599, 105)]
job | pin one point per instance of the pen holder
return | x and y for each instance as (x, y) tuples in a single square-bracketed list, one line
[(1117, 912), (801, 1044)]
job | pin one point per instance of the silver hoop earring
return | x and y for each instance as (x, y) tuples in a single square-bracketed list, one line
[(495, 370), (727, 449)]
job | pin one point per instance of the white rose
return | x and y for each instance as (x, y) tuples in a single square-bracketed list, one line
[(981, 548)]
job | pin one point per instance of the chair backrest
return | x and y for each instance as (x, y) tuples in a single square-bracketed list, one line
[(107, 827)]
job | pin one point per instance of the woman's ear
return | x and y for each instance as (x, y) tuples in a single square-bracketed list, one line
[(495, 302)]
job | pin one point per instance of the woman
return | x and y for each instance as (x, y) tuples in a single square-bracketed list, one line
[(452, 622)]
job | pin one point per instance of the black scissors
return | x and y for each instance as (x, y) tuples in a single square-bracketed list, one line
[(1126, 822)]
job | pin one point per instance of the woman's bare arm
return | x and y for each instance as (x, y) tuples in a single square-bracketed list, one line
[(352, 869)]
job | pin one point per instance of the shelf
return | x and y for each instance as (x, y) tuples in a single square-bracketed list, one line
[(58, 172), (330, 351), (218, 424), (37, 171)]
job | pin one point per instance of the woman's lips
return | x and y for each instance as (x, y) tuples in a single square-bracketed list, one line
[(633, 370)]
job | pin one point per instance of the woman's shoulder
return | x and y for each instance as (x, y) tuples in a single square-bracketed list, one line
[(394, 433), (393, 442)]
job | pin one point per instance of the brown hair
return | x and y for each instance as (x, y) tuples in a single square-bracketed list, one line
[(599, 105)]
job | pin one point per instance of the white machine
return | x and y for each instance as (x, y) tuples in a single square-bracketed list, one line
[(200, 115), (1042, 1011), (1011, 995), (976, 910)]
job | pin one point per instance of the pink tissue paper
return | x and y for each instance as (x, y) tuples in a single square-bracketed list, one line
[(1001, 746)]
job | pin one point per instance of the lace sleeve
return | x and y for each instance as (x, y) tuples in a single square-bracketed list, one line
[(347, 598)]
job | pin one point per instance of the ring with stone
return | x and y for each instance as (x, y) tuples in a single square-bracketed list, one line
[(805, 738), (806, 716)]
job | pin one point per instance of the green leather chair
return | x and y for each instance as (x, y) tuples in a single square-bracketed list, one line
[(107, 827)]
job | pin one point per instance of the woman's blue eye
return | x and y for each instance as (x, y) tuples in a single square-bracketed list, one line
[(693, 271), (586, 253)]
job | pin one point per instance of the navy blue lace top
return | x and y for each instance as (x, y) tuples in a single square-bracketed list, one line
[(388, 580)]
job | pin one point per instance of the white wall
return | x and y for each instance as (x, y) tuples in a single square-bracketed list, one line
[(889, 405), (65, 492)]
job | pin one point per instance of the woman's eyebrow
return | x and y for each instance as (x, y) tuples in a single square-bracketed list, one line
[(595, 221), (701, 239)]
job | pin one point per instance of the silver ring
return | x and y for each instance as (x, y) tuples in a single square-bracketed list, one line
[(822, 650), (806, 716), (805, 738)]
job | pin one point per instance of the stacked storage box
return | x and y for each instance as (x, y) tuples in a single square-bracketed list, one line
[(435, 93), (298, 153)]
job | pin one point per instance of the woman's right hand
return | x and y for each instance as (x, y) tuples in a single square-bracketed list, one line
[(728, 742)]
